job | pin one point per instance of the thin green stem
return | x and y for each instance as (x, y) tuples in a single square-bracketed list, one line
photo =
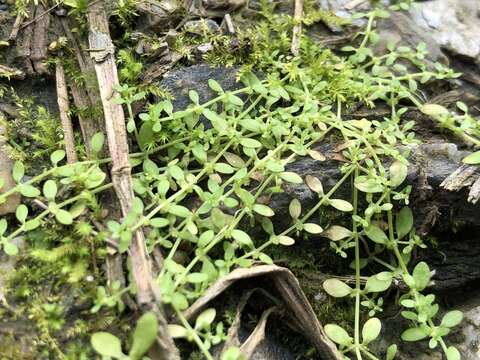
[(357, 270), (194, 335)]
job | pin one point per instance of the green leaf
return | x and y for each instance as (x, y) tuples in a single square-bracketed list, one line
[(336, 288), (3, 226), (404, 222), (379, 282), (410, 315), (159, 222), (336, 233), (57, 156), (391, 352), (179, 210), (176, 172), (398, 173), (341, 205), (29, 190), (219, 123), (285, 240), (291, 177), (234, 159), (197, 278), (265, 258), (242, 237), (205, 319), (10, 249), (434, 110), (338, 334), (452, 319), (97, 141), (21, 213), (314, 184), (366, 185), (18, 171), (205, 238), (452, 353), (64, 217), (235, 100), (421, 275), (50, 190), (32, 224), (193, 95), (177, 331), (312, 228), (233, 353), (107, 344), (144, 335), (472, 159), (223, 168), (295, 209), (371, 330), (376, 234), (78, 208), (250, 143), (215, 86), (263, 210), (179, 301), (414, 334)]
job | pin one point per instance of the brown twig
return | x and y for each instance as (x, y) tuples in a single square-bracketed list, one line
[(229, 24), (107, 76), (38, 17), (297, 29), (16, 27), (64, 108)]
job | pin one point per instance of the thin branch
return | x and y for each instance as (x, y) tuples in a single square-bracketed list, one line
[(297, 29), (107, 76), (16, 28), (64, 108), (38, 17)]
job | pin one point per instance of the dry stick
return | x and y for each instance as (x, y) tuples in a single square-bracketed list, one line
[(64, 108), (41, 15), (297, 29), (87, 128), (85, 99), (105, 67), (229, 24), (16, 28)]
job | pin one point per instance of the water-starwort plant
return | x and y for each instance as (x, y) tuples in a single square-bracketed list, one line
[(202, 175)]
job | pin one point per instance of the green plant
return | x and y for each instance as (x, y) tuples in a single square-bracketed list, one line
[(204, 175), (144, 335), (463, 125)]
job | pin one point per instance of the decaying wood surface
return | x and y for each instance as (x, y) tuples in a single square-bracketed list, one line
[(39, 42), (102, 53), (64, 109), (24, 44), (32, 47)]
